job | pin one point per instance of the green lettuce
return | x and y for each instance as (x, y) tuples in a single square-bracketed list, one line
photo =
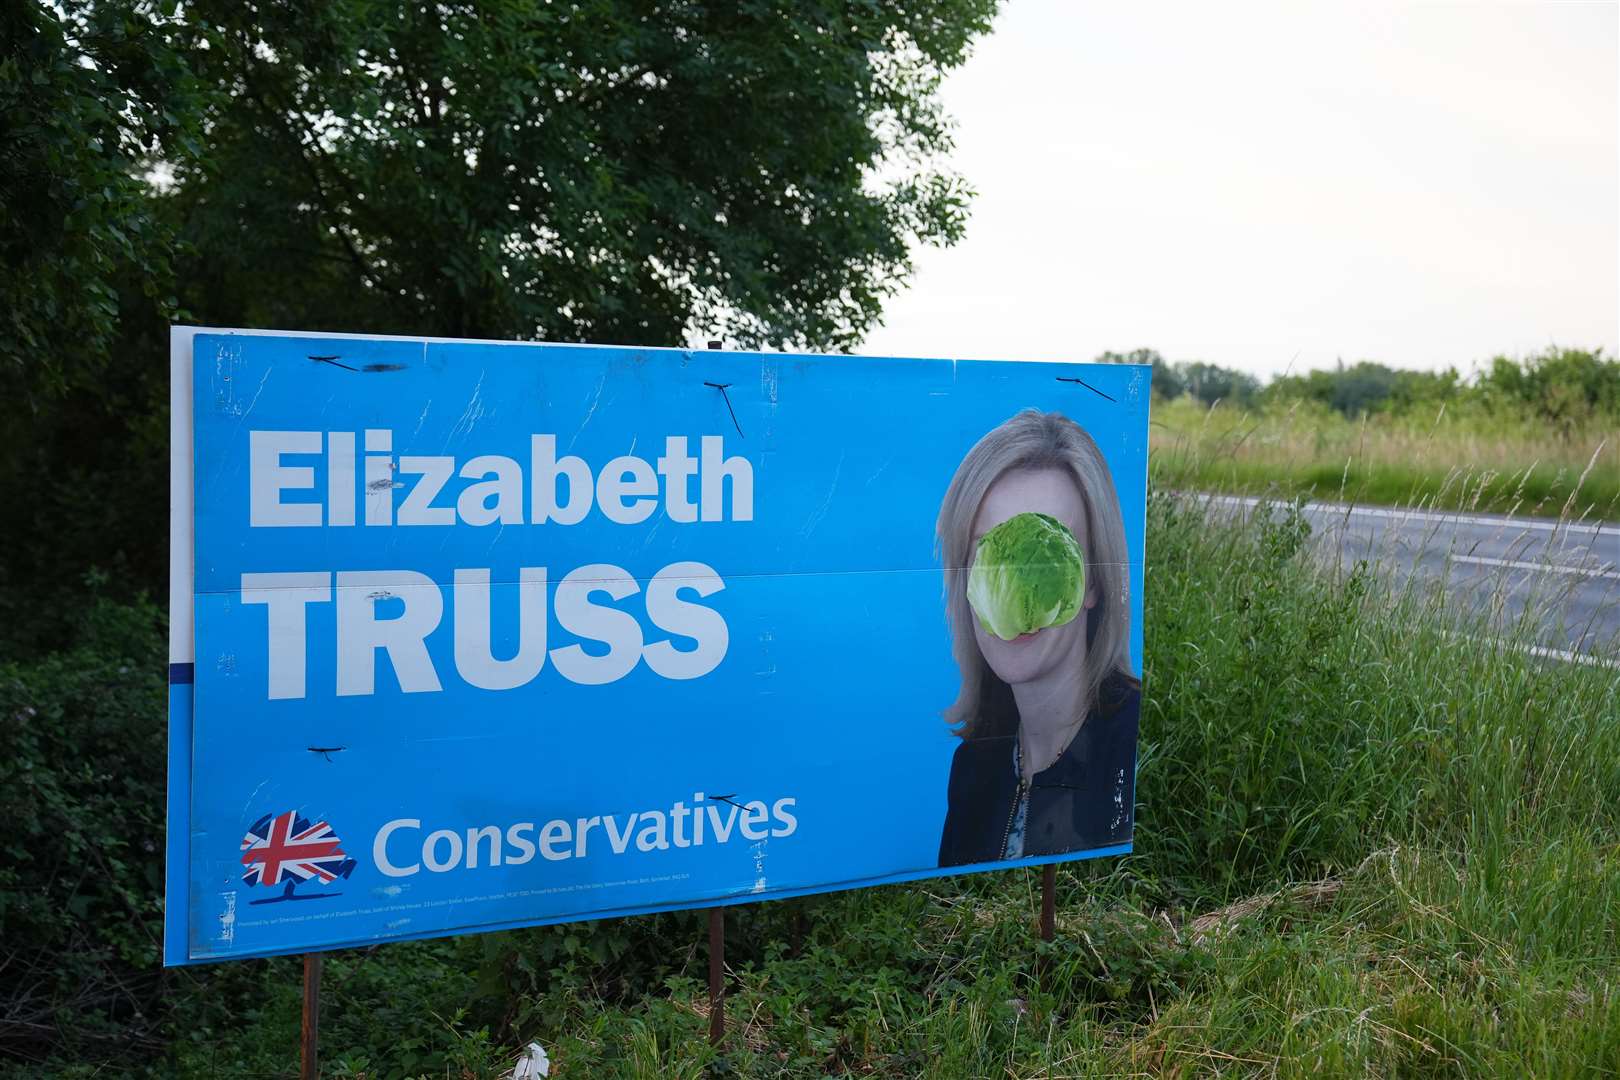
[(1028, 573)]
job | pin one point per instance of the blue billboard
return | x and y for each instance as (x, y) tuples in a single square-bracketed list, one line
[(472, 635)]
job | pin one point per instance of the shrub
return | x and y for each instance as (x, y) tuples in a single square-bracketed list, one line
[(1564, 387), (81, 859)]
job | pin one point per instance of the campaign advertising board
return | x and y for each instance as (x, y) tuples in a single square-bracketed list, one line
[(474, 635)]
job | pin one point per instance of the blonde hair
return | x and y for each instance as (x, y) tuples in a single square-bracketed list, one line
[(1034, 440)]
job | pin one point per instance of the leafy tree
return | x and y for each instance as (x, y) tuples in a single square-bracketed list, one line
[(81, 863), (1428, 389), (1565, 387), (598, 170), (1167, 381), (1361, 388), (92, 96), (605, 170), (90, 93), (1210, 383), (1367, 387)]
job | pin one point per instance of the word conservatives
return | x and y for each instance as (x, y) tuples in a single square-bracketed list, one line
[(316, 480), (403, 847)]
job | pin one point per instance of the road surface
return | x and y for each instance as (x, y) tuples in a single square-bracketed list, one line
[(1561, 579)]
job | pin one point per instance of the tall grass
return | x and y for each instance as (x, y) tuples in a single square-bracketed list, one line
[(1368, 843), (1454, 459)]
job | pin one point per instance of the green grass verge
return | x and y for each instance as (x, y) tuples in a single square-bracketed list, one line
[(1366, 845), (1541, 490), (1457, 460)]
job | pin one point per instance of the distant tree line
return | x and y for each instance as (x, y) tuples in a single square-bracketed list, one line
[(1209, 383), (1565, 387)]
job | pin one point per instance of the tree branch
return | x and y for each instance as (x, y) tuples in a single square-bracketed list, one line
[(604, 87), (308, 142)]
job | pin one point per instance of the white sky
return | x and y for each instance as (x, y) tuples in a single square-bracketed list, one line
[(1245, 183)]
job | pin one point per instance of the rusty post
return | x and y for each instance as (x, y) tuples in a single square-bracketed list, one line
[(311, 1068), (717, 973), (1048, 900)]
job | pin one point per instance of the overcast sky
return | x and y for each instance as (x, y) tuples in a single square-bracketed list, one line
[(1253, 184)]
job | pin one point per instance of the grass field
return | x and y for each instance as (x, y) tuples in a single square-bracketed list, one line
[(1365, 846), (1446, 460)]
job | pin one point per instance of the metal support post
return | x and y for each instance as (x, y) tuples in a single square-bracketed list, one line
[(717, 973), (311, 1068)]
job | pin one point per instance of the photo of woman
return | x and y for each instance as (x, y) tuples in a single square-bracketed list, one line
[(1037, 591)]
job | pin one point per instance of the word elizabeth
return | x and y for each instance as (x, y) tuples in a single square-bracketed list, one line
[(626, 491)]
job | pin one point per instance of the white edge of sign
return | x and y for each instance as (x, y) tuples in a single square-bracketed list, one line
[(177, 844)]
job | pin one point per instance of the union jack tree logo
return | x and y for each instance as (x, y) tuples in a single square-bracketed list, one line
[(286, 850)]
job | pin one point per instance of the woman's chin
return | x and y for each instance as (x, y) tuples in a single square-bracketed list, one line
[(1018, 660), (1027, 657)]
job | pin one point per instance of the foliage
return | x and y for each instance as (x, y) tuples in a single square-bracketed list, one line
[(1366, 387), (94, 96), (1457, 456), (91, 93), (1209, 383), (81, 862), (598, 171), (1568, 388), (1167, 378), (634, 173), (1537, 435), (1364, 846), (604, 171), (91, 467)]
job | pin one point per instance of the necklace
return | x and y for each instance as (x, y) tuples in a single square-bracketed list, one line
[(1035, 770)]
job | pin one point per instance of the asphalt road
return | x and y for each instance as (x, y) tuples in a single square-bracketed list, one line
[(1553, 586)]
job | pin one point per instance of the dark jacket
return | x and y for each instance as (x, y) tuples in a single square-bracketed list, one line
[(1083, 800)]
